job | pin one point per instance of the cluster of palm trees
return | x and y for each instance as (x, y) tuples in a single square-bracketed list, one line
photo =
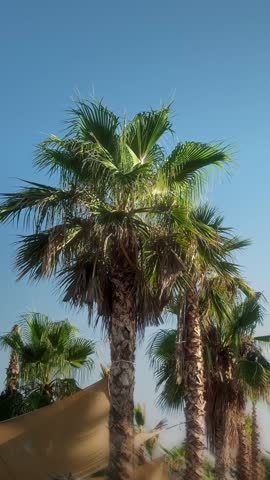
[(125, 234), (235, 371)]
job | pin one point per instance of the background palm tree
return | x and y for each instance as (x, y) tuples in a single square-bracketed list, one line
[(50, 356), (207, 258), (226, 388), (238, 370), (13, 369), (116, 184)]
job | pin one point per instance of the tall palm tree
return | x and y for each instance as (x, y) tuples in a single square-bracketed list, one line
[(116, 187), (237, 370), (226, 388), (208, 267), (49, 354)]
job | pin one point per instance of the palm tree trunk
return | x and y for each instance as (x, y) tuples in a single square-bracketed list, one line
[(255, 448), (194, 390), (221, 448), (121, 376), (243, 457), (13, 369)]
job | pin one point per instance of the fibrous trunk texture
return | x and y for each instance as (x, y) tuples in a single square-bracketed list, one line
[(243, 457), (194, 390), (257, 470), (13, 369), (121, 376), (221, 447)]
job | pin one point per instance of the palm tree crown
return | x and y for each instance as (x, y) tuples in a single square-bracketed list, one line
[(114, 180), (48, 350)]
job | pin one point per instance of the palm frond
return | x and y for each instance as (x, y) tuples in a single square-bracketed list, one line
[(139, 417), (78, 353), (94, 122), (145, 130), (161, 352), (247, 316), (262, 338), (254, 374), (38, 204), (188, 160)]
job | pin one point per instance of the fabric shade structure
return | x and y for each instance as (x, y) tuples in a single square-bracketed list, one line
[(70, 436)]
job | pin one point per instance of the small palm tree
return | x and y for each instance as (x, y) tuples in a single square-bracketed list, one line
[(118, 189), (50, 355)]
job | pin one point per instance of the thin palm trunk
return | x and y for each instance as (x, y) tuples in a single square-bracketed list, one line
[(243, 457), (255, 448), (13, 369), (221, 448), (121, 377), (194, 390)]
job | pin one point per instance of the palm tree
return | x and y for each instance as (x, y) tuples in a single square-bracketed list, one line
[(226, 387), (237, 370), (13, 368), (208, 267), (117, 186), (49, 356)]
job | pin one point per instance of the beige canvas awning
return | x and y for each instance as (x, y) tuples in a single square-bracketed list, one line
[(68, 436)]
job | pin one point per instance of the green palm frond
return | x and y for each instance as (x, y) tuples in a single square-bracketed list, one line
[(188, 160), (263, 338), (161, 352), (78, 353), (11, 341), (94, 122), (139, 417), (37, 203), (236, 243), (247, 316), (254, 374), (31, 253), (145, 130), (210, 217)]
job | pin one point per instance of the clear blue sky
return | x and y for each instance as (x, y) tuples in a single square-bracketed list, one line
[(211, 57)]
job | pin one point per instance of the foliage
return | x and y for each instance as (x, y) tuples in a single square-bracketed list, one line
[(48, 350), (11, 405), (235, 366), (139, 421), (50, 356), (266, 463), (175, 457), (119, 190)]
